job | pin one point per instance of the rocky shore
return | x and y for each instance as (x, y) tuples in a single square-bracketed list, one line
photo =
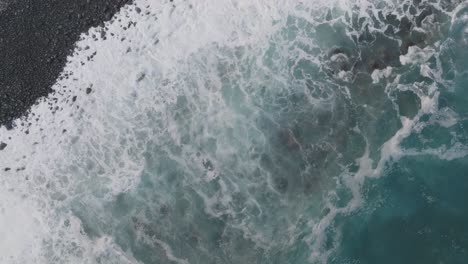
[(35, 39)]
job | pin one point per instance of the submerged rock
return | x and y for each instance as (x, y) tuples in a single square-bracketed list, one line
[(408, 103)]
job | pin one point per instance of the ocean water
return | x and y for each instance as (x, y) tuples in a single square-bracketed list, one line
[(267, 131)]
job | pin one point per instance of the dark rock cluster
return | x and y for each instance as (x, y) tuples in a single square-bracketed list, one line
[(380, 39)]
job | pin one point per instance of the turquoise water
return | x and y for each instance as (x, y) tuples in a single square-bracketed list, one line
[(292, 133), (415, 214)]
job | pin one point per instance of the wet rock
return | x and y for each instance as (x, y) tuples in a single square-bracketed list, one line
[(404, 28), (208, 165), (390, 30), (426, 12), (366, 36), (339, 62), (329, 16), (408, 103), (418, 37), (392, 19), (413, 10), (140, 77), (383, 52), (405, 46)]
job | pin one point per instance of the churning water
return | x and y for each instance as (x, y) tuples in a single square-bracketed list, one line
[(266, 131)]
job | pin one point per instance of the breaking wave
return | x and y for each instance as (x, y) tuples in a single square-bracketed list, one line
[(238, 132)]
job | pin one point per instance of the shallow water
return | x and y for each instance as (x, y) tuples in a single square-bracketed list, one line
[(249, 132)]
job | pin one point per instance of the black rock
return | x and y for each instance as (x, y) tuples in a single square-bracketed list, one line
[(208, 165), (425, 13), (3, 145)]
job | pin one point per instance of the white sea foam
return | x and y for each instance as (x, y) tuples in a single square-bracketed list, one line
[(94, 146), (134, 83), (377, 75), (416, 55)]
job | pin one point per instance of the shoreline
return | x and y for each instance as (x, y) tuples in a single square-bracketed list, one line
[(36, 37)]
